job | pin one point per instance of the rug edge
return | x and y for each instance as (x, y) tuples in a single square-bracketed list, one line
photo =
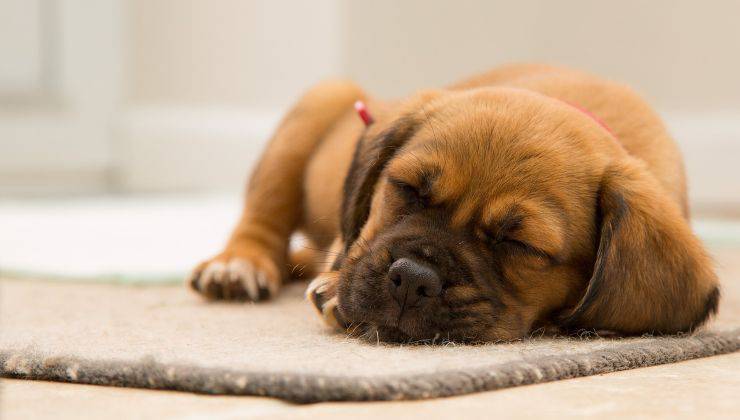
[(302, 388)]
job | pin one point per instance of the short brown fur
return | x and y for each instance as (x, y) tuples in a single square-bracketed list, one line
[(531, 212)]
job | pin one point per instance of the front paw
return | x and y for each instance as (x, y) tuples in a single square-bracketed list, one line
[(237, 276), (322, 292)]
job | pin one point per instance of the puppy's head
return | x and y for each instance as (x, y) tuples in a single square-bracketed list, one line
[(481, 215)]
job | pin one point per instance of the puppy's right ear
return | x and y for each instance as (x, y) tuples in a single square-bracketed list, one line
[(651, 273), (370, 158)]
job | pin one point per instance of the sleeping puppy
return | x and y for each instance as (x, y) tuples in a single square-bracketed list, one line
[(527, 197)]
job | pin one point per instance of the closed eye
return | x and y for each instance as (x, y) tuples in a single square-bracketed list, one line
[(529, 249), (411, 194), (521, 246)]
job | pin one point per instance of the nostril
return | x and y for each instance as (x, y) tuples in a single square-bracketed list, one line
[(396, 278), (422, 291)]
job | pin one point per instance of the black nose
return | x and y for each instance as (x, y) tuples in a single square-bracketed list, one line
[(412, 282)]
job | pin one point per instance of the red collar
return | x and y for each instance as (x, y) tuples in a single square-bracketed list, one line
[(590, 115)]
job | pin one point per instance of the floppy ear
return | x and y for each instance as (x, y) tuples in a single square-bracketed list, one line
[(651, 273), (370, 158)]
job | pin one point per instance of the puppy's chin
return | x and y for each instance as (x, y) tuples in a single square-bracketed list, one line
[(394, 335)]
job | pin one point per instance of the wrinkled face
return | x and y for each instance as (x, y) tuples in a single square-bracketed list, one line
[(479, 226)]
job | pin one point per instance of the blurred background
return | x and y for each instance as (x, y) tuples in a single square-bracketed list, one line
[(128, 124)]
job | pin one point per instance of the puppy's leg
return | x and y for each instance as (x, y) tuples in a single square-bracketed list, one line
[(254, 262)]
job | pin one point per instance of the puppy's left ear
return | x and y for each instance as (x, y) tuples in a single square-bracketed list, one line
[(651, 273)]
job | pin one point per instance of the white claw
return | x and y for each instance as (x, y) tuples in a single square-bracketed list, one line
[(250, 283), (317, 285), (234, 275), (264, 283), (328, 312), (238, 269), (211, 273)]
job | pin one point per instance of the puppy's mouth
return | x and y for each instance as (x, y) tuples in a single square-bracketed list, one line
[(389, 334), (376, 333), (406, 301), (401, 331)]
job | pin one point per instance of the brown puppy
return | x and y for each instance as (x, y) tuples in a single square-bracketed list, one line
[(526, 197)]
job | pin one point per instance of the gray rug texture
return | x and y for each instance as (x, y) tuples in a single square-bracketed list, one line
[(164, 337)]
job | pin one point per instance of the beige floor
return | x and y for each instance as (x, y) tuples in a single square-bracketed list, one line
[(704, 388)]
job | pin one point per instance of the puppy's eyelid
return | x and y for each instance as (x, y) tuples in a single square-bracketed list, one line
[(494, 239), (530, 249), (412, 191)]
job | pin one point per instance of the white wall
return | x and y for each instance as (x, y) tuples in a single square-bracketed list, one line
[(209, 81), (682, 54), (255, 53)]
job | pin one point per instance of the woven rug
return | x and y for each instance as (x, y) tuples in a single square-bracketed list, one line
[(164, 337)]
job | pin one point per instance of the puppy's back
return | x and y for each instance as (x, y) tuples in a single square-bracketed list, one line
[(627, 115)]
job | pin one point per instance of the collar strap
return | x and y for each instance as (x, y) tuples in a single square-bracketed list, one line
[(590, 115), (367, 119)]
